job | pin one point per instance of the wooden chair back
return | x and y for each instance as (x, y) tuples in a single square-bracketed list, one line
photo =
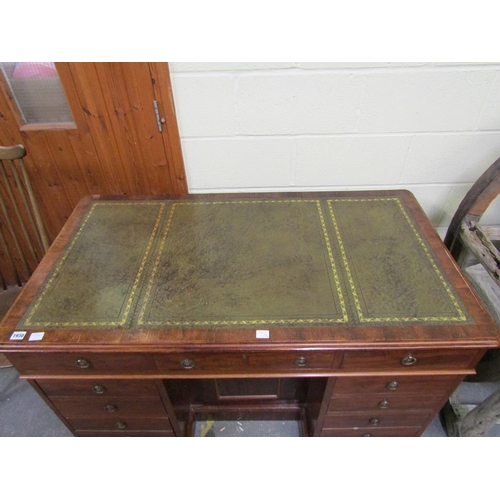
[(23, 239)]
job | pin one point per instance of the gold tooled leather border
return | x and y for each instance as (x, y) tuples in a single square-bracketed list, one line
[(461, 317), (141, 321), (60, 264)]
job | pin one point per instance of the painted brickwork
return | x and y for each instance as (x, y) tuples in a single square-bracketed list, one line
[(432, 128)]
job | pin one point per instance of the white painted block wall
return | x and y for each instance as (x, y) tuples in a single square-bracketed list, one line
[(432, 128)]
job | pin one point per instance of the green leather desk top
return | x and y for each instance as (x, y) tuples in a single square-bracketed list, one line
[(242, 263)]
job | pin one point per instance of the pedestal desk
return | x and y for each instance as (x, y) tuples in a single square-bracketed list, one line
[(343, 310)]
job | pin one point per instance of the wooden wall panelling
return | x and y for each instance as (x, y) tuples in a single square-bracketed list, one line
[(113, 147), (141, 96), (96, 116), (163, 90), (129, 98), (82, 144), (119, 110)]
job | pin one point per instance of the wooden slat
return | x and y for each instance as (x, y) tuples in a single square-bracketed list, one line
[(47, 182), (16, 206), (478, 243), (34, 210)]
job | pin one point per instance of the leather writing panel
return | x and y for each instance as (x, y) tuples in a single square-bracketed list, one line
[(245, 263)]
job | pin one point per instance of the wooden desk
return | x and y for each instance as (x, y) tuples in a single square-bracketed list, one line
[(342, 309)]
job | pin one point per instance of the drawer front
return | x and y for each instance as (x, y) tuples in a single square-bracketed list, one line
[(98, 388), (371, 432), (392, 385), (124, 434), (120, 425), (409, 360), (147, 407), (249, 362), (378, 404), (81, 363), (376, 419)]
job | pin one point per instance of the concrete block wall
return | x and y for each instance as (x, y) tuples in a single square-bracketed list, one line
[(432, 128)]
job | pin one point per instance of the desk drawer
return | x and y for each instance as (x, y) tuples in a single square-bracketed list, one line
[(408, 360), (147, 407), (121, 425), (375, 419), (81, 363), (99, 433), (379, 404), (372, 432), (391, 385), (98, 388), (246, 362)]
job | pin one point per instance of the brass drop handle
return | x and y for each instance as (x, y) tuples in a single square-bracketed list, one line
[(301, 361), (99, 389), (111, 408), (188, 364), (121, 425), (82, 363), (392, 386), (409, 360), (374, 421), (383, 404)]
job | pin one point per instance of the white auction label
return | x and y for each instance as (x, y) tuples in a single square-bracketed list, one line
[(262, 334), (17, 335), (36, 336)]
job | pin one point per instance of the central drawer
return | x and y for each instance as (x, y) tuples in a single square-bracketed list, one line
[(246, 362)]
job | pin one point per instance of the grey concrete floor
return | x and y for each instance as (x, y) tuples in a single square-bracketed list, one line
[(23, 413)]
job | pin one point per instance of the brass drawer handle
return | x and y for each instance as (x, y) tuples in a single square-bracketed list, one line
[(409, 360), (392, 386), (188, 364), (111, 408), (383, 404), (99, 389), (121, 425), (374, 421), (301, 361), (367, 435), (82, 363)]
